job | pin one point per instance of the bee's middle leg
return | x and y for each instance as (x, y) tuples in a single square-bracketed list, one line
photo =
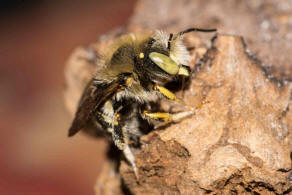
[(168, 117)]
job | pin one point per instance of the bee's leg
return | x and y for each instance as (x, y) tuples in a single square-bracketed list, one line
[(168, 117), (131, 158), (171, 96), (119, 135), (168, 94), (121, 140)]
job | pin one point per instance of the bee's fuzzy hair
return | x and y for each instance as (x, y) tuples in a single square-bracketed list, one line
[(178, 51), (161, 38)]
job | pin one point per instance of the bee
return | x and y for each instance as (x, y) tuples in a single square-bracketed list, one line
[(135, 70)]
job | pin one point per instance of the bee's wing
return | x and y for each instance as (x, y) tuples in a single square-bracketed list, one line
[(92, 97)]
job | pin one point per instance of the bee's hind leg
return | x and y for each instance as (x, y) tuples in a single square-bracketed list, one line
[(131, 158), (121, 140)]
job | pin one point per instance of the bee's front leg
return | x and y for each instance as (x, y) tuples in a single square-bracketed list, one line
[(166, 93), (170, 96)]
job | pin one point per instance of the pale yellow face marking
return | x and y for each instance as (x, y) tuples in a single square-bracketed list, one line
[(183, 71), (141, 55)]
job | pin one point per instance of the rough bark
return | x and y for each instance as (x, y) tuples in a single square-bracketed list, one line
[(238, 141)]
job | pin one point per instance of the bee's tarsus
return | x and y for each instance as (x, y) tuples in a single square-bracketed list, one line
[(131, 159)]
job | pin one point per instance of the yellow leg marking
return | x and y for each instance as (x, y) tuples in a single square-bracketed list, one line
[(167, 117), (166, 93), (117, 118), (159, 115)]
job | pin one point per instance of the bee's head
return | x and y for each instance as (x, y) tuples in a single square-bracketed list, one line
[(164, 57), (169, 53)]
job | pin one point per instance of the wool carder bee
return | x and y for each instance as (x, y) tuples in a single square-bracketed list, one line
[(135, 69)]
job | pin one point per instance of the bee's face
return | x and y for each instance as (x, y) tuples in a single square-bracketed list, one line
[(164, 58)]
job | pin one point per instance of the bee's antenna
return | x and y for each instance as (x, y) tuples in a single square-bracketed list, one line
[(196, 29), (169, 39), (180, 34)]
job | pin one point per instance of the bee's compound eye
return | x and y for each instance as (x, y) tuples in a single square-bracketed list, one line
[(164, 62)]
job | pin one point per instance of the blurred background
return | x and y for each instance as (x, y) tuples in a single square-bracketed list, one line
[(36, 38)]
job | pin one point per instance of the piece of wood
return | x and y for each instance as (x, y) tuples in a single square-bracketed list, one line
[(240, 138)]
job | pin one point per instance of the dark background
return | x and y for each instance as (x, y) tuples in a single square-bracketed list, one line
[(36, 38)]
